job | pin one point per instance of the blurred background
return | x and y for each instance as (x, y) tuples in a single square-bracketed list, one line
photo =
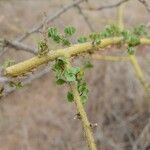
[(38, 116)]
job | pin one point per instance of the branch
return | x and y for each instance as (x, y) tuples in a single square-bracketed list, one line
[(50, 18), (74, 50), (28, 65), (110, 6), (18, 46), (85, 18), (139, 73), (145, 5), (85, 122), (120, 15)]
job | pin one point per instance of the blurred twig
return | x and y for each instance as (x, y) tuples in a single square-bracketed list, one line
[(18, 46), (16, 43), (144, 131), (28, 80), (109, 6), (145, 5), (85, 18), (48, 19)]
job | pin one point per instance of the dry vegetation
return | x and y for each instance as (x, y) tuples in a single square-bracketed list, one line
[(38, 117)]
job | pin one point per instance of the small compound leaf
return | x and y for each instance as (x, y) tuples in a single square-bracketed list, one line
[(69, 30), (87, 65), (60, 81), (70, 97), (70, 74), (82, 39)]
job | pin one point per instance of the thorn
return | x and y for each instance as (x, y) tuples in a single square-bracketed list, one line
[(94, 125), (77, 116)]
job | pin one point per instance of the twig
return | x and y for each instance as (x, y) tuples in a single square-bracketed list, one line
[(110, 6), (85, 18), (139, 73), (120, 16), (145, 130), (85, 122), (18, 46), (145, 5), (50, 18)]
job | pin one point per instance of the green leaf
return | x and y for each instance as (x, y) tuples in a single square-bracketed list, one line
[(42, 48), (96, 38), (131, 50), (65, 42), (69, 30), (70, 97), (87, 65), (133, 41), (60, 81), (82, 39), (140, 30), (83, 91), (8, 63), (17, 84), (70, 74), (54, 35), (52, 32)]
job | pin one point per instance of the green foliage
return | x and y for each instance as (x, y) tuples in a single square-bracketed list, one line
[(17, 84), (75, 74), (8, 63), (54, 35), (140, 30), (110, 31), (42, 49), (59, 38), (82, 39), (70, 73), (65, 42), (83, 91), (131, 50), (69, 31), (59, 68), (95, 38), (60, 81), (70, 97), (87, 65)]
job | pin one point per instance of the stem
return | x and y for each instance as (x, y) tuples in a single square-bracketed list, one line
[(83, 116), (28, 65), (120, 14), (139, 73), (85, 122)]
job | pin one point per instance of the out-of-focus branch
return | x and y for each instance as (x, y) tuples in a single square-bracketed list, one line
[(109, 6), (145, 5), (139, 73), (110, 58), (18, 46), (50, 18), (85, 18), (144, 131), (120, 16)]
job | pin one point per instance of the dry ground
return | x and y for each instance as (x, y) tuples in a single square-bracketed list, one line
[(38, 116)]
